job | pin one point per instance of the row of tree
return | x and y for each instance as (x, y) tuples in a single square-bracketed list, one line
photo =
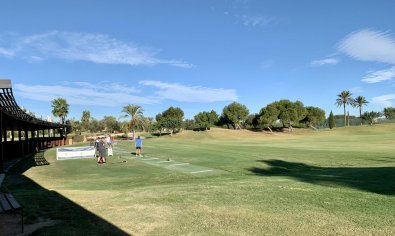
[(284, 113), (345, 98), (171, 120), (234, 115)]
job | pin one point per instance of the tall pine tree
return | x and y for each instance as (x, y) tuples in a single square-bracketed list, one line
[(331, 121)]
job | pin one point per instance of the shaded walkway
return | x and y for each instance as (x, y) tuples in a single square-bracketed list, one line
[(40, 203)]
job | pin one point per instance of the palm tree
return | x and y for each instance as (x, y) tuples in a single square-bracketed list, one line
[(359, 102), (60, 108), (344, 98), (135, 113)]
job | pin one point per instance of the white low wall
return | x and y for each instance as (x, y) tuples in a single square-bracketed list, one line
[(75, 152)]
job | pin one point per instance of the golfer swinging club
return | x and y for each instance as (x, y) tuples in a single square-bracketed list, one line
[(138, 144)]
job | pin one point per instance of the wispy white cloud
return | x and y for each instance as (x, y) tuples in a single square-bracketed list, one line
[(254, 21), (35, 59), (369, 45), (79, 46), (82, 93), (182, 93), (109, 94), (326, 61), (6, 52), (179, 64), (380, 75), (105, 86), (384, 100)]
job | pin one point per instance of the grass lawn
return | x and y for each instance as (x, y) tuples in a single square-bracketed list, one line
[(221, 182)]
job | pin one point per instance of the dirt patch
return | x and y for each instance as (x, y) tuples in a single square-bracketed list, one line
[(10, 224)]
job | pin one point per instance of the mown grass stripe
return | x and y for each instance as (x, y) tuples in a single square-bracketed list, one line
[(179, 164), (148, 159), (200, 171), (164, 161)]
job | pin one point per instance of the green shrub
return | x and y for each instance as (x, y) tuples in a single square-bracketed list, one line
[(78, 138)]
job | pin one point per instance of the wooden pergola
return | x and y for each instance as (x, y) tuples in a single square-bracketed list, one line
[(21, 132)]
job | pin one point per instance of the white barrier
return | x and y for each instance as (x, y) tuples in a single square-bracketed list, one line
[(75, 152)]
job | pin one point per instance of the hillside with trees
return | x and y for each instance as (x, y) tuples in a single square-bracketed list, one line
[(282, 115)]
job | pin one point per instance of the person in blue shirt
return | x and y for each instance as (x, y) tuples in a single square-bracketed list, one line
[(138, 144)]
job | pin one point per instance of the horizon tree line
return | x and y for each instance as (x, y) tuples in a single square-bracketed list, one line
[(234, 115)]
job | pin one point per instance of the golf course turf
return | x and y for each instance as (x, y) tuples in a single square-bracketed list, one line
[(221, 182)]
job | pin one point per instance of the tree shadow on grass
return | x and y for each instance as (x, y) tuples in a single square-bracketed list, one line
[(40, 203), (380, 180)]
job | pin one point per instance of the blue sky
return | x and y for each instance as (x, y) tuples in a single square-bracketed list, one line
[(196, 55)]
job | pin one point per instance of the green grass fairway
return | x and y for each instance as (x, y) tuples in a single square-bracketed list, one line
[(221, 182), (122, 150)]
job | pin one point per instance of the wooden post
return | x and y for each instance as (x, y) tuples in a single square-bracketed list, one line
[(1, 141), (5, 135), (21, 143), (27, 141), (34, 140), (12, 133)]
